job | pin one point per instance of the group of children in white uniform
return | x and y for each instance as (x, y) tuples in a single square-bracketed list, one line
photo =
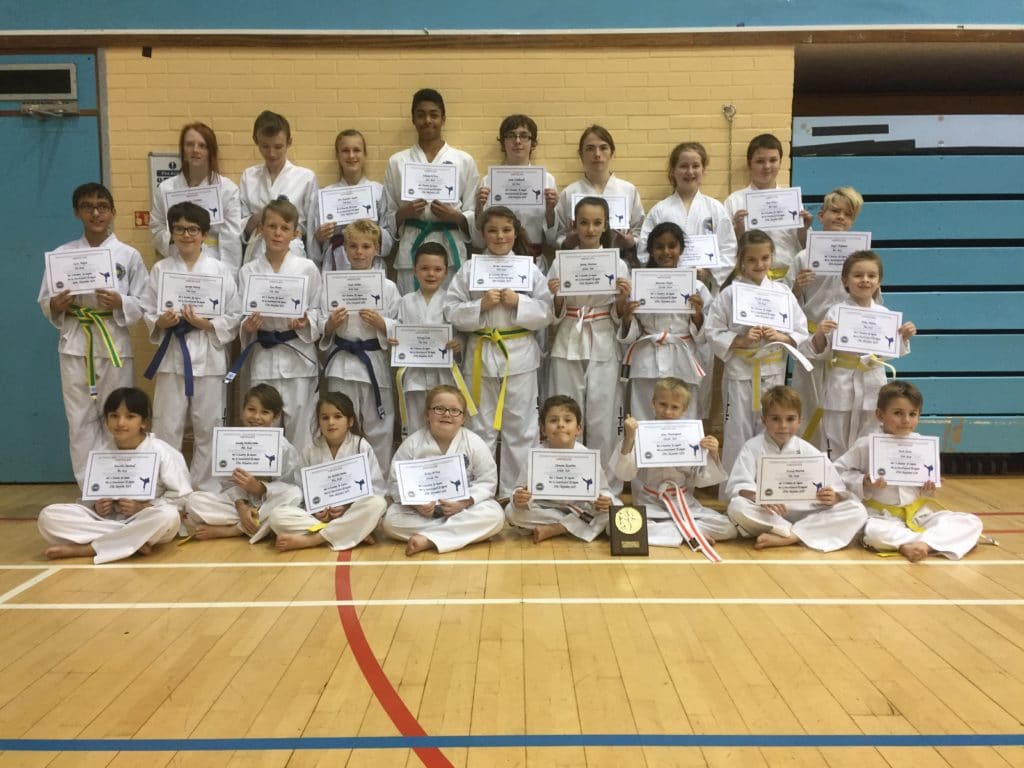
[(499, 336)]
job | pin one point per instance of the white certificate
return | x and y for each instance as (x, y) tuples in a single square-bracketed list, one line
[(276, 295), (343, 205), (769, 209), (422, 346), (826, 251), (354, 289), (335, 483), (670, 444), (789, 478), (561, 474), (520, 187), (487, 272), (909, 461), (427, 181), (585, 273), (867, 331), (207, 197), (755, 306), (257, 450), (422, 481), (700, 251), (121, 475), (204, 293), (664, 290), (618, 211), (81, 270)]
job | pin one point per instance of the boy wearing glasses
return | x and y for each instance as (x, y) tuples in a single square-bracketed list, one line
[(94, 346), (192, 340)]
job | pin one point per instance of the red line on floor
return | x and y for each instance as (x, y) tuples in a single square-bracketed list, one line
[(382, 688)]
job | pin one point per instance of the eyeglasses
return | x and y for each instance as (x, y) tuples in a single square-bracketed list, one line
[(512, 136), (440, 410), (98, 207), (191, 230)]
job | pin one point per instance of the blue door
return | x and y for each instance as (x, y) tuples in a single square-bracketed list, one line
[(43, 159)]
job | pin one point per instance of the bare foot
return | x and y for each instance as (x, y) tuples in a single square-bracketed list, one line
[(418, 543), (543, 532), (145, 549), (59, 551), (369, 540), (915, 551), (290, 541), (710, 539), (767, 540), (205, 531)]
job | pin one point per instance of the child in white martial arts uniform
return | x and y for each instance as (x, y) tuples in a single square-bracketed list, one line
[(596, 151), (95, 347), (326, 241), (449, 524), (502, 352), (245, 502), (283, 349), (764, 159), (345, 526), (693, 211), (197, 149), (561, 424), (425, 306), (585, 353), (752, 363), (517, 137), (419, 221), (358, 363), (904, 518), (663, 344), (667, 492), (826, 524), (850, 393), (275, 179), (112, 529), (192, 356)]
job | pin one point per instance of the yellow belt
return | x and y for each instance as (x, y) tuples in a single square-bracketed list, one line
[(403, 407), (496, 336), (87, 318), (777, 273), (747, 355), (906, 513)]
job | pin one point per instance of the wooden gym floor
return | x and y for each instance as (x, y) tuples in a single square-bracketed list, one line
[(513, 654)]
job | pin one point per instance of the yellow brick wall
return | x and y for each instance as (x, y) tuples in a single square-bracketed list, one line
[(649, 99)]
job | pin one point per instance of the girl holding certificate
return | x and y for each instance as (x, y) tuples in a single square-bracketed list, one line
[(342, 526), (503, 354), (192, 356), (752, 353), (112, 529), (326, 241), (200, 168), (851, 381), (664, 343), (446, 525)]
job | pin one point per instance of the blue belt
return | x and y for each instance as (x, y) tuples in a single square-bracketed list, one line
[(359, 348), (178, 331), (267, 340)]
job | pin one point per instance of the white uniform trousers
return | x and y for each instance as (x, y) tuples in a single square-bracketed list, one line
[(533, 515), (219, 509), (810, 385), (299, 395), (595, 385), (86, 429), (380, 433), (822, 528), (519, 429), (172, 411), (476, 523), (705, 390), (951, 534), (663, 532), (739, 421), (345, 532), (112, 539)]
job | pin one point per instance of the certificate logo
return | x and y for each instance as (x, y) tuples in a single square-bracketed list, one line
[(401, 355), (769, 492), (169, 304), (479, 281), (222, 463), (497, 198), (334, 304), (411, 191), (844, 339), (753, 222), (60, 284), (567, 284), (648, 455), (538, 486), (881, 472), (743, 313), (253, 305), (315, 499), (94, 487), (330, 217), (815, 264)]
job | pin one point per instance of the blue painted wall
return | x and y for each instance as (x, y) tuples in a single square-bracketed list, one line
[(331, 15)]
